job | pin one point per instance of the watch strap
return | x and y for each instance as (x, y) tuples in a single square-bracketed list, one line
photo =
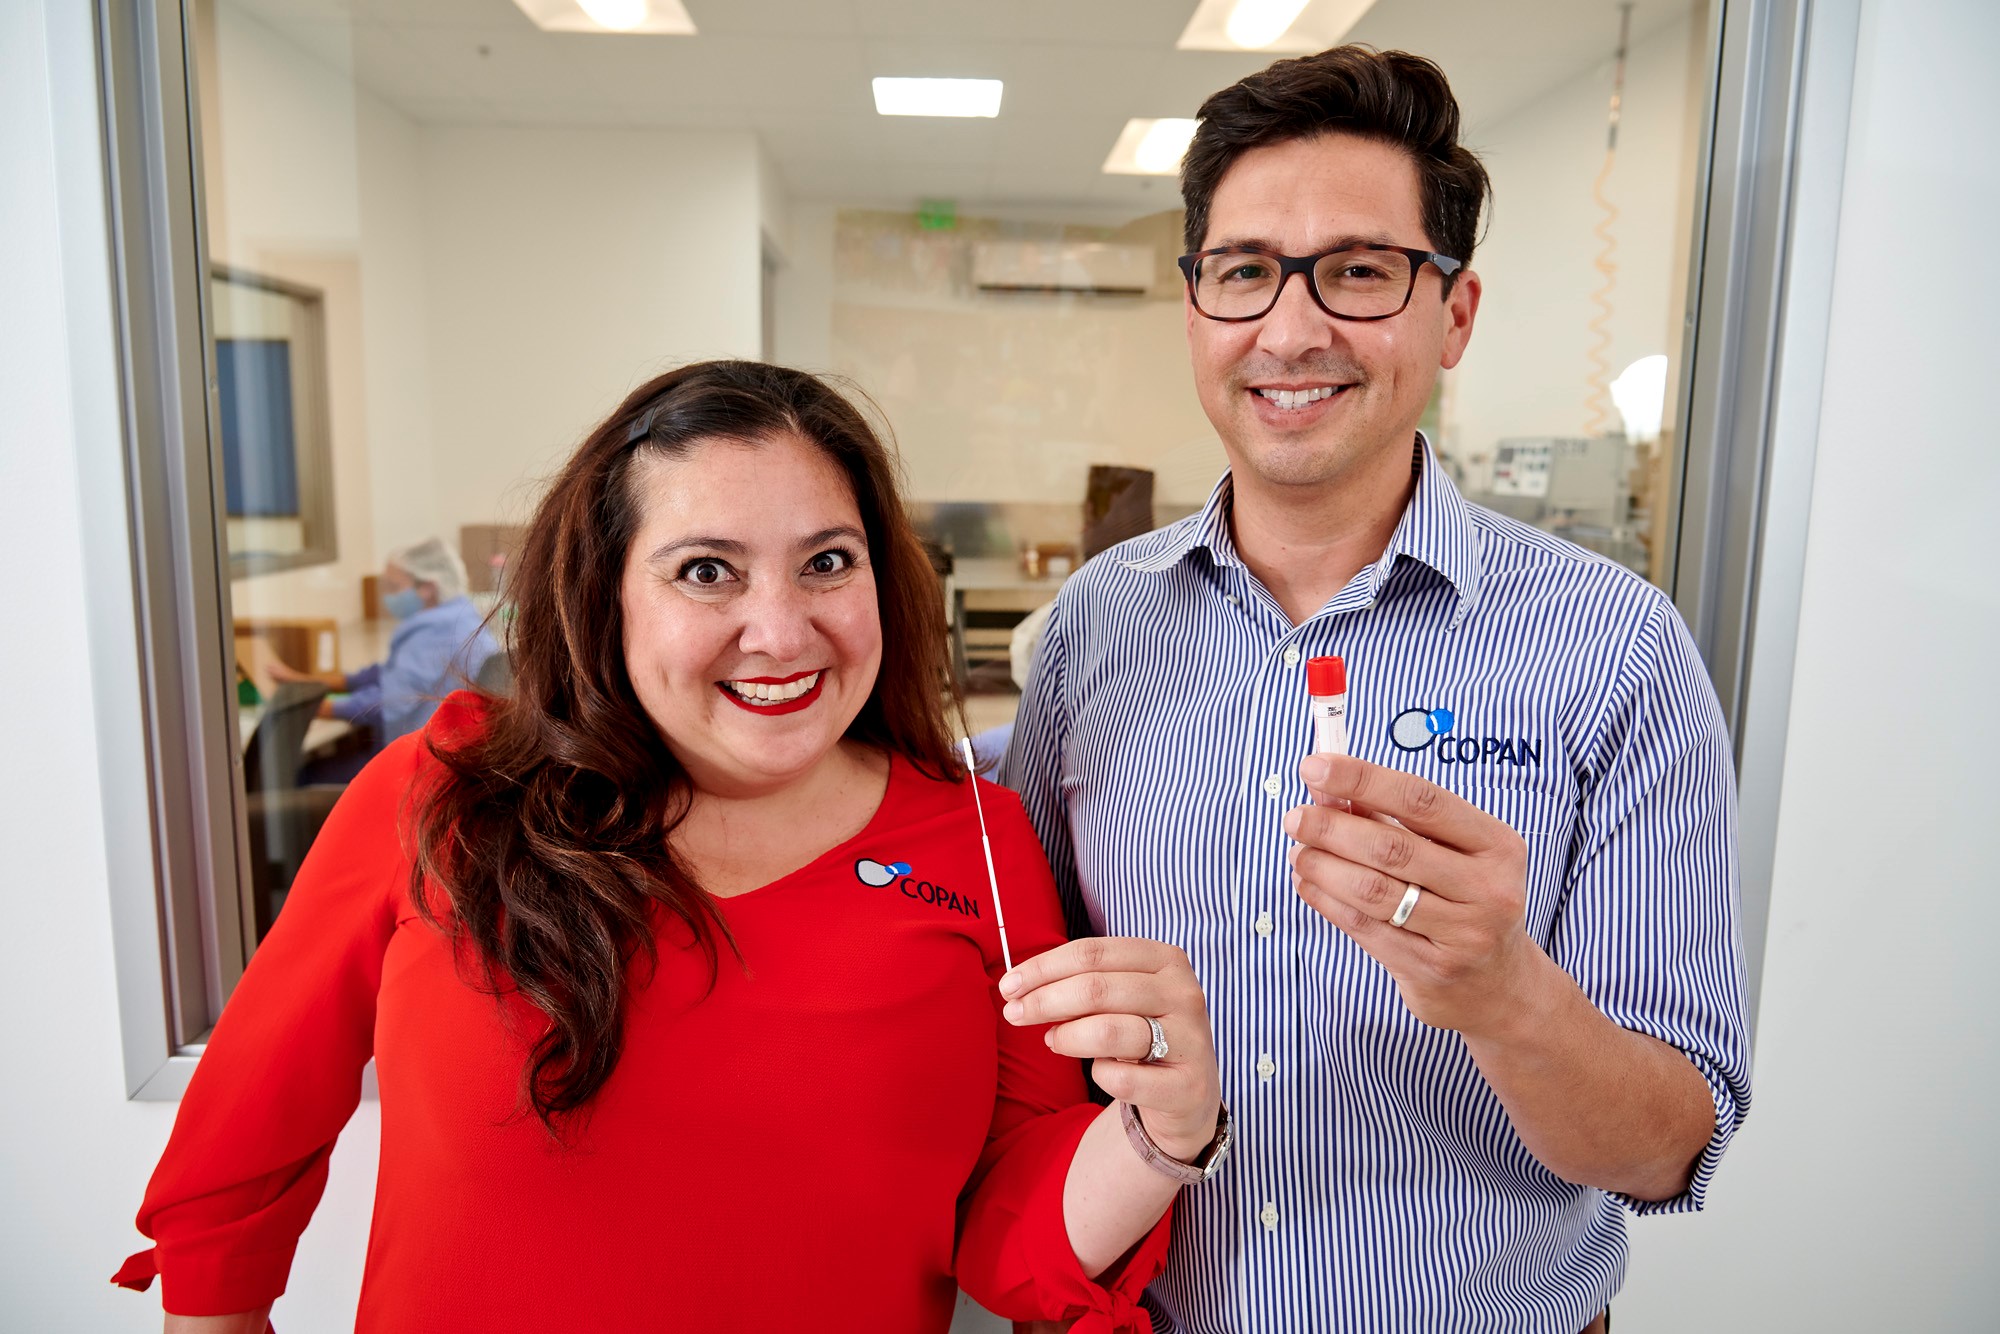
[(1188, 1174)]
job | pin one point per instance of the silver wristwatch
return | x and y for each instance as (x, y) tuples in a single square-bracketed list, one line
[(1188, 1174)]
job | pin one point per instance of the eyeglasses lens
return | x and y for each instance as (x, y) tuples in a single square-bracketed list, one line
[(1359, 284)]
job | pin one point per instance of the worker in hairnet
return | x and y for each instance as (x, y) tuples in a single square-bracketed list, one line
[(439, 645)]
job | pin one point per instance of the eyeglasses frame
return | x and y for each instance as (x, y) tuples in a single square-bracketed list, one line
[(1447, 267)]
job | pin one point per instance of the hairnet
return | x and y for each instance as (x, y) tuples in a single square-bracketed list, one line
[(432, 562)]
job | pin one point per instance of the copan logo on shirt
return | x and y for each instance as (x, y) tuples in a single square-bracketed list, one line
[(1431, 729), (882, 874)]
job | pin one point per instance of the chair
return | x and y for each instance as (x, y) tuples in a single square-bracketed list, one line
[(283, 817)]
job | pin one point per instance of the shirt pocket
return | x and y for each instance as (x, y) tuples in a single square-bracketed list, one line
[(1546, 822)]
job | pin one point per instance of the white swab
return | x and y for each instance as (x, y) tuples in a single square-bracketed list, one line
[(992, 880)]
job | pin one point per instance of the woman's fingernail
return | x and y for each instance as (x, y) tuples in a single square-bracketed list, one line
[(1014, 1011), (1293, 818), (1010, 984), (1315, 769)]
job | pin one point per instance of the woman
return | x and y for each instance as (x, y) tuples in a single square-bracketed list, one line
[(678, 966)]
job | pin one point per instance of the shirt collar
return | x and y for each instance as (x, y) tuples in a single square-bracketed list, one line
[(1435, 530)]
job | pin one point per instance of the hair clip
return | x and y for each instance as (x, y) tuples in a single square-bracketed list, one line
[(641, 428)]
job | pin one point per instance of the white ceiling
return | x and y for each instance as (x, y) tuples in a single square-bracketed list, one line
[(797, 72)]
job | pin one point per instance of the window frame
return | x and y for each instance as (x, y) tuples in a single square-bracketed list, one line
[(314, 441), (1767, 177)]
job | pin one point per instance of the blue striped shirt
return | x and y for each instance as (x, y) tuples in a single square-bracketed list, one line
[(1376, 1183)]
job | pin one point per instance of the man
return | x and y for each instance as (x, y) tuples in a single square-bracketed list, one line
[(440, 642), (1454, 1046)]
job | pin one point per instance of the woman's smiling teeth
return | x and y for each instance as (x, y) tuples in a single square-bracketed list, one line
[(1298, 398), (754, 692)]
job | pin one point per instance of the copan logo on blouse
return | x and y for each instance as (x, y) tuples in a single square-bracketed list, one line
[(880, 875), (1431, 729)]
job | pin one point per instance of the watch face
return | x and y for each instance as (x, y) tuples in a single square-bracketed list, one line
[(1224, 1135)]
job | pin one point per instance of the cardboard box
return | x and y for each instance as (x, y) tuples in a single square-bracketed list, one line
[(479, 543)]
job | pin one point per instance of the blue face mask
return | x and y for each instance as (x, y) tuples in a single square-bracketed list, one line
[(403, 603)]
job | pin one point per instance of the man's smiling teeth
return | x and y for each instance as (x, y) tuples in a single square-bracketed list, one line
[(768, 694), (1298, 398)]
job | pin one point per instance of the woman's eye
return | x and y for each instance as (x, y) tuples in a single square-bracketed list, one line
[(705, 573), (831, 562)]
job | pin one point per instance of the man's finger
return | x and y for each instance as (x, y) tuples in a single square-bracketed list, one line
[(1417, 802), (1396, 948), (1396, 856), (1092, 954)]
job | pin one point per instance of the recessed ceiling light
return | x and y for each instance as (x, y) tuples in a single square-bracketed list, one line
[(1287, 26), (669, 17), (1150, 148), (937, 97)]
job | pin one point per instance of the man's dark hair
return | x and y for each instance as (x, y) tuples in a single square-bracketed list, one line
[(1391, 96)]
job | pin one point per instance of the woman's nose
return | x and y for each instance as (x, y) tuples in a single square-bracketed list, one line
[(777, 622)]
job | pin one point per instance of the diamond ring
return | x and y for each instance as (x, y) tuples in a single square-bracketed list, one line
[(1158, 1051)]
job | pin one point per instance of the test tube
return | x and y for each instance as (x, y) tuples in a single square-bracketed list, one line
[(1326, 682)]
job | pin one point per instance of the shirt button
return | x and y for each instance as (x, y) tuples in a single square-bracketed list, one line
[(1264, 925), (1268, 1215), (1232, 599), (1272, 787), (1291, 657), (1266, 1067)]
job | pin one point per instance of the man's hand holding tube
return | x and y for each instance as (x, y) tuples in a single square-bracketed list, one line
[(1463, 956), (1597, 1104), (1098, 993)]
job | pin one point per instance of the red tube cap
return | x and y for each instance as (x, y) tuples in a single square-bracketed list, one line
[(1326, 676)]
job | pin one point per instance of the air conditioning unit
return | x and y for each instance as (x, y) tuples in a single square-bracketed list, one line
[(1062, 266)]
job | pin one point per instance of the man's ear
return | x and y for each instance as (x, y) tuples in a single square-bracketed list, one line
[(1461, 307)]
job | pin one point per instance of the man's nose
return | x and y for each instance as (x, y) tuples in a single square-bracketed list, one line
[(777, 621), (1296, 325)]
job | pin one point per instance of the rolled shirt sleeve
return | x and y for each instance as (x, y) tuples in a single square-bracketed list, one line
[(1649, 924)]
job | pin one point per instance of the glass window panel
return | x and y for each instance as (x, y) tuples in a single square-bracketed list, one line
[(445, 242)]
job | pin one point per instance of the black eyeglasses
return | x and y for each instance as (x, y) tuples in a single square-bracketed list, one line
[(1357, 282)]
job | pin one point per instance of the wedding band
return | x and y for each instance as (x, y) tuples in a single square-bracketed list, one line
[(1407, 906), (1158, 1051)]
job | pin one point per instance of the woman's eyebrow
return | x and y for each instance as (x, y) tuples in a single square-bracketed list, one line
[(722, 544), (826, 535)]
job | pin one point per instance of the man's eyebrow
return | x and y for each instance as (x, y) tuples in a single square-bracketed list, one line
[(722, 544), (1341, 242)]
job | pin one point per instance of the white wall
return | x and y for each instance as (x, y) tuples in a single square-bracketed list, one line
[(1863, 1193), (565, 267), (1011, 396)]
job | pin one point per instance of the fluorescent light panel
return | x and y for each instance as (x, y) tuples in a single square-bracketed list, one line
[(1278, 26), (652, 17), (1150, 148), (937, 97)]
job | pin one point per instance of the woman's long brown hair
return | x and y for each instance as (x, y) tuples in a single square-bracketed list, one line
[(543, 840)]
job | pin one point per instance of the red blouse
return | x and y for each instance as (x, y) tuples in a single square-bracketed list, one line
[(800, 1147)]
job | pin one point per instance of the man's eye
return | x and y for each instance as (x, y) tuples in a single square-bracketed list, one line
[(1362, 273), (1245, 273)]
